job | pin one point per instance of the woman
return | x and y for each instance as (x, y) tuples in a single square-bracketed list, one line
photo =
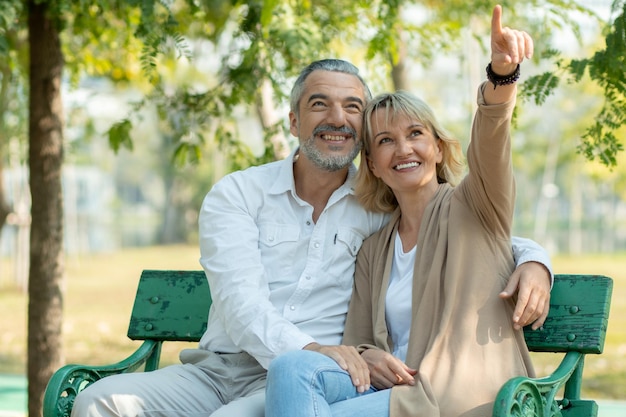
[(426, 314)]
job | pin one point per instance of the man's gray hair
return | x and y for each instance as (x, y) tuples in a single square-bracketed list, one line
[(333, 65)]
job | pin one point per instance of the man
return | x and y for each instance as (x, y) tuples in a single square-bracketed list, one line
[(278, 243)]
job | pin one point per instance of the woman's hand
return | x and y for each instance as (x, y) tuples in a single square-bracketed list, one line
[(509, 47), (387, 370)]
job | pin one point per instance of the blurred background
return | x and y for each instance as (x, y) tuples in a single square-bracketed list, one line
[(160, 99)]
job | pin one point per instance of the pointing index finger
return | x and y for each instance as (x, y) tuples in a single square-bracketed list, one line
[(496, 20)]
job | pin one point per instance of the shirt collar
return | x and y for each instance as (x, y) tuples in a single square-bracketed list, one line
[(285, 181)]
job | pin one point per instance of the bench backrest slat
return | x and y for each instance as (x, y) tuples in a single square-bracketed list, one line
[(578, 318), (170, 305), (174, 305)]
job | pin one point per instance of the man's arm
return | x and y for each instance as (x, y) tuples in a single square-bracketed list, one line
[(527, 250), (532, 280), (231, 258)]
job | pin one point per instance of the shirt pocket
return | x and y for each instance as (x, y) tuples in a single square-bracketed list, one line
[(350, 239), (346, 246), (279, 245)]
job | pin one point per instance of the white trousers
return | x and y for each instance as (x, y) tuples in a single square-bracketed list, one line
[(204, 384)]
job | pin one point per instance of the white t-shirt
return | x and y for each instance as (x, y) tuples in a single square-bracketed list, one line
[(398, 302)]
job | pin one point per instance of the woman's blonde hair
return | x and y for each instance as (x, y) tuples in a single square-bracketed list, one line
[(371, 191)]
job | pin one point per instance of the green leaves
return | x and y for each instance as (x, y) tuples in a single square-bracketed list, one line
[(607, 68), (540, 87), (10, 11), (139, 41), (602, 144), (119, 135), (187, 153)]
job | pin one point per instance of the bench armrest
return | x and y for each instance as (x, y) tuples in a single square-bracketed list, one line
[(69, 380), (536, 397)]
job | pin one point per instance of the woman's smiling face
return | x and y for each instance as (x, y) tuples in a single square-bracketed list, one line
[(404, 153)]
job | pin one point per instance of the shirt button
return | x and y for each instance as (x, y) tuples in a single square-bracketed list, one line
[(308, 277), (271, 238), (317, 245), (308, 222), (292, 308)]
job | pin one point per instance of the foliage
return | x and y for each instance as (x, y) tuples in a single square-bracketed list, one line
[(13, 85), (9, 12), (119, 135), (273, 39), (606, 68)]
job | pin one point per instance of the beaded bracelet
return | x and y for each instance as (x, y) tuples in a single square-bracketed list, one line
[(497, 80)]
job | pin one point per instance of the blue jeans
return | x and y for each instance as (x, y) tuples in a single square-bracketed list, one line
[(309, 384)]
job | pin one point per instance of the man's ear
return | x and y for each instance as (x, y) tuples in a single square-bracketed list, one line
[(293, 124)]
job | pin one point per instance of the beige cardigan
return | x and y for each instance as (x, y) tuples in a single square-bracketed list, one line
[(462, 340)]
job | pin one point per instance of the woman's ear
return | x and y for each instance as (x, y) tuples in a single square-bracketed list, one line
[(440, 148), (372, 167)]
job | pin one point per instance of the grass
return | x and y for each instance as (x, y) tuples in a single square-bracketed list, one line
[(98, 299), (100, 290)]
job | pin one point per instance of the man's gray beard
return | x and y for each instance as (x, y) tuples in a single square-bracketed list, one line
[(329, 163)]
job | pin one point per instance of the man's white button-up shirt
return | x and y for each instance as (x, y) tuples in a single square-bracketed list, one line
[(278, 280)]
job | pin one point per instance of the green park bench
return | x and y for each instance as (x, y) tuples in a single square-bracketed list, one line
[(173, 306)]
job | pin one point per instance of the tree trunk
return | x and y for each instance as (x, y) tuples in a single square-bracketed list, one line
[(399, 69), (399, 73), (46, 236), (267, 114)]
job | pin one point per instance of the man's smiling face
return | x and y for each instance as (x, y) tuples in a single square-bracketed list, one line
[(329, 124)]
